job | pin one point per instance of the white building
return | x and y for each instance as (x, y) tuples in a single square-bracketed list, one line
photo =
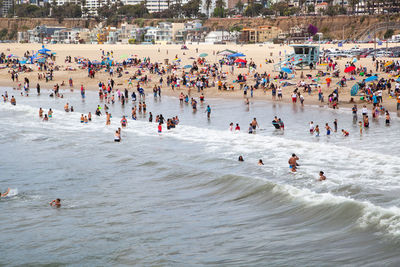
[(62, 2), (220, 37)]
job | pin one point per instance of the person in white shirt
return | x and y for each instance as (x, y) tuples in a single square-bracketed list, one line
[(311, 127)]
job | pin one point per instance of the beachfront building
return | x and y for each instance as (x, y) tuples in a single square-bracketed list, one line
[(41, 33), (160, 34), (219, 37), (259, 35)]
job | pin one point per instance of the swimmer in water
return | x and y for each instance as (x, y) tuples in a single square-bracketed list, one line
[(124, 121), (56, 203), (316, 131), (45, 117), (361, 126), (254, 124), (260, 162), (293, 162), (231, 126), (387, 122), (241, 158), (50, 113), (345, 133), (328, 129), (82, 118), (5, 193), (322, 177), (117, 136), (40, 113)]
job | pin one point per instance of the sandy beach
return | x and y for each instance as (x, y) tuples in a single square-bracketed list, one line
[(159, 53)]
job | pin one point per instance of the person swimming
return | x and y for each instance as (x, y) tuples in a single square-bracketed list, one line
[(345, 133), (56, 203), (260, 162), (322, 177), (241, 158), (5, 193)]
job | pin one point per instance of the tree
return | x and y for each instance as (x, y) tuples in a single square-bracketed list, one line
[(388, 34), (207, 4), (253, 10), (191, 8), (219, 10), (353, 4), (239, 6), (310, 9)]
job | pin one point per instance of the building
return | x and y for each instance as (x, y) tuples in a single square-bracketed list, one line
[(7, 4), (62, 2), (259, 35), (41, 33), (219, 37), (160, 34)]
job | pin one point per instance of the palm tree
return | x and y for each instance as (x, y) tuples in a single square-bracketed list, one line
[(207, 4)]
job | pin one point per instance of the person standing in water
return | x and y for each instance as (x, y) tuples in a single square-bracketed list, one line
[(335, 125), (328, 129), (208, 110), (316, 131), (293, 162), (254, 124), (117, 136), (387, 122), (124, 122)]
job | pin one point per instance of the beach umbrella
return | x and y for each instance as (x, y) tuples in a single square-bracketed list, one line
[(372, 78), (187, 66), (354, 89), (349, 69), (287, 70), (239, 60), (237, 55), (44, 50), (203, 55), (354, 60), (388, 63), (226, 52)]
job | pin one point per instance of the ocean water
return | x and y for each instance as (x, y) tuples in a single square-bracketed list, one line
[(181, 198)]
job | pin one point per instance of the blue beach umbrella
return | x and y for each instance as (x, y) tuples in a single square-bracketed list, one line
[(354, 89), (237, 55), (398, 79), (287, 70), (372, 78)]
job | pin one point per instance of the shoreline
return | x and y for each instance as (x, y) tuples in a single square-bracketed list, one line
[(259, 96)]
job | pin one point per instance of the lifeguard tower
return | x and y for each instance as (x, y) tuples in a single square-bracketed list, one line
[(303, 55)]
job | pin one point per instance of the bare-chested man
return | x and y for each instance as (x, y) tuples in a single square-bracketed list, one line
[(293, 162)]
